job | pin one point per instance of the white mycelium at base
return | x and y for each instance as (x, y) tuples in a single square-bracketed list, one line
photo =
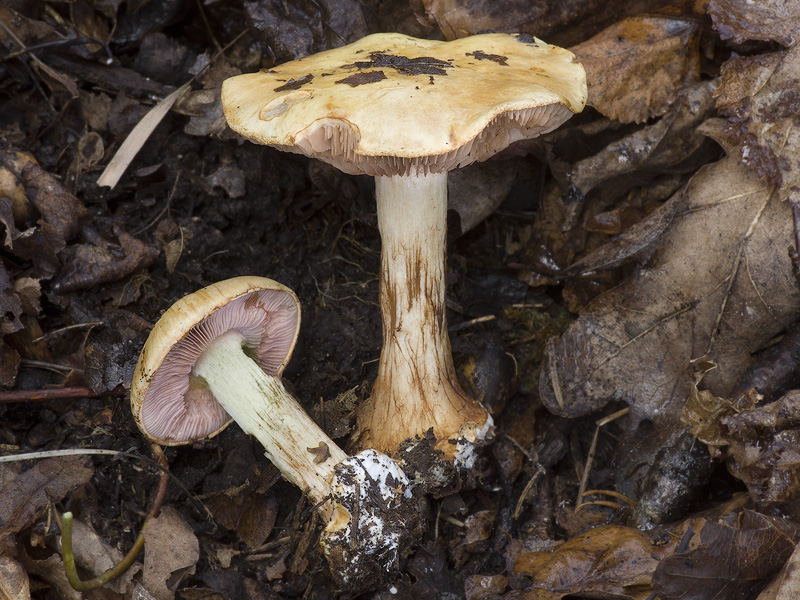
[(466, 446), (373, 498)]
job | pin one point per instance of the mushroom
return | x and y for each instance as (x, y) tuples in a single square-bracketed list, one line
[(407, 111), (217, 355)]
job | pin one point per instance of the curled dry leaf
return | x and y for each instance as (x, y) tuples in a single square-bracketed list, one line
[(607, 561), (102, 260), (786, 584), (26, 496), (702, 414), (759, 95), (251, 515), (478, 190), (636, 68), (653, 148), (765, 449), (44, 194), (14, 584), (734, 557), (768, 20), (718, 286), (171, 551), (556, 21)]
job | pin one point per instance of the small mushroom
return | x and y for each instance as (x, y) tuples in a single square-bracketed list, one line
[(407, 111), (217, 355)]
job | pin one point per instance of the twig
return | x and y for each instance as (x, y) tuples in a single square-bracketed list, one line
[(45, 395), (590, 456), (518, 508)]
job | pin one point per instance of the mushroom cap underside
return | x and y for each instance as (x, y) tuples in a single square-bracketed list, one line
[(392, 104), (169, 405)]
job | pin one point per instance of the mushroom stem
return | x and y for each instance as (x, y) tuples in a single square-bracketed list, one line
[(416, 371), (262, 407)]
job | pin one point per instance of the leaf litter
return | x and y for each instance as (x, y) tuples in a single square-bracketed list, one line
[(660, 218)]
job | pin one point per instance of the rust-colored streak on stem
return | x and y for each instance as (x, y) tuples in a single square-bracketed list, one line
[(416, 388)]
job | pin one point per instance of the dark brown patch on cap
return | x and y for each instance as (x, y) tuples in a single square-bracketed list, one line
[(363, 77), (423, 65), (527, 38), (481, 55), (294, 84)]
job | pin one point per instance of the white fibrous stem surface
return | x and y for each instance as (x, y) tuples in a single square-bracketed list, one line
[(262, 407), (417, 387), (374, 518)]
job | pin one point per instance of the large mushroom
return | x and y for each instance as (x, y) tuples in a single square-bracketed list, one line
[(407, 111), (217, 355)]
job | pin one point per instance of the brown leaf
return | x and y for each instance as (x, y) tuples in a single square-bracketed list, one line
[(556, 21), (636, 68), (57, 207), (786, 584), (12, 306), (768, 20), (9, 364), (765, 448), (251, 515), (475, 192), (607, 561), (24, 498), (759, 95), (484, 587), (651, 149), (14, 584), (735, 557), (702, 414), (103, 260), (171, 551), (50, 570), (718, 286)]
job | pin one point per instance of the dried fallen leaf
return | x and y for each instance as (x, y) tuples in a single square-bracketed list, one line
[(759, 95), (171, 551), (718, 286), (553, 20), (9, 364), (136, 139), (702, 414), (607, 561), (57, 207), (14, 584), (652, 149), (786, 584), (251, 515), (475, 192), (765, 449), (637, 68), (50, 570), (102, 260), (769, 20), (734, 558), (24, 498)]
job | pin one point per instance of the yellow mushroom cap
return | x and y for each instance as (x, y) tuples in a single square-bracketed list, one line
[(167, 405), (391, 104)]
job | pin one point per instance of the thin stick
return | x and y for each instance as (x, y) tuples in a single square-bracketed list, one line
[(590, 456), (45, 395), (528, 486), (611, 493)]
